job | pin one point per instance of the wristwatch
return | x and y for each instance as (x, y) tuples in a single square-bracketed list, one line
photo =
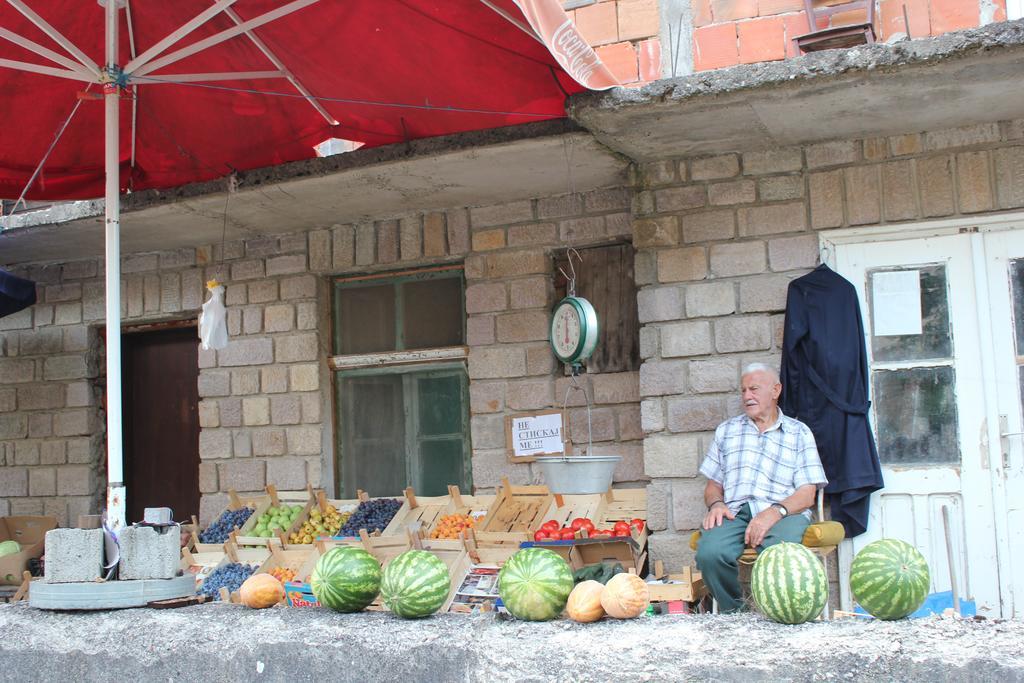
[(781, 508)]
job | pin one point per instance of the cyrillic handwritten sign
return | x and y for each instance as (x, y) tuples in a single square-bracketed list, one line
[(540, 433)]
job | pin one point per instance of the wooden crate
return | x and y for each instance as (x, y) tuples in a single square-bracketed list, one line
[(292, 557), (245, 537), (565, 508), (202, 564), (422, 514), (235, 502), (687, 586), (517, 511), (622, 505)]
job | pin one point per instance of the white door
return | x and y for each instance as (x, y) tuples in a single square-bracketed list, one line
[(919, 302), (1004, 256)]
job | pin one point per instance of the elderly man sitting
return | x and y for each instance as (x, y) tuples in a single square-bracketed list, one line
[(763, 473)]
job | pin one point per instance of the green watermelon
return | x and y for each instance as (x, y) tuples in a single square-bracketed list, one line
[(789, 583), (889, 578), (535, 584), (346, 579), (416, 584)]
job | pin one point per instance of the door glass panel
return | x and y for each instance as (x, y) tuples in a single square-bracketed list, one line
[(432, 313), (441, 465), (915, 411), (373, 436), (1017, 293), (935, 340), (366, 319)]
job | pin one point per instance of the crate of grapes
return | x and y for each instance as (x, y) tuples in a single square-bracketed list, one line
[(517, 511), (227, 568), (371, 514), (234, 517)]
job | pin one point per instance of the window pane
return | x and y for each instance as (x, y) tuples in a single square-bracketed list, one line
[(441, 463), (935, 340), (373, 438), (1017, 290), (440, 405), (432, 313), (915, 411), (366, 319)]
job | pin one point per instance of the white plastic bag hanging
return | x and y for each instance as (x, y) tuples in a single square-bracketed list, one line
[(213, 326)]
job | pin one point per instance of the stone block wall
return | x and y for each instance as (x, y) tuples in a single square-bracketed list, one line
[(720, 238)]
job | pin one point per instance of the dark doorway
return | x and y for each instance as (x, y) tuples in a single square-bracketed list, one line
[(160, 372)]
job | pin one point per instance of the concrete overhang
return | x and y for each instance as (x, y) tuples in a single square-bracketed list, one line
[(962, 78), (468, 169)]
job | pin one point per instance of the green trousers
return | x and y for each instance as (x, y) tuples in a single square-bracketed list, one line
[(719, 550)]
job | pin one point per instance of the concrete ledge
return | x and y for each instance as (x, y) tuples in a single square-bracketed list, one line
[(955, 79), (232, 643)]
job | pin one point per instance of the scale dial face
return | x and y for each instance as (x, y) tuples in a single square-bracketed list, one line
[(573, 330)]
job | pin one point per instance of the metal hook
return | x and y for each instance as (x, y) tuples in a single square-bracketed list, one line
[(576, 386), (571, 280)]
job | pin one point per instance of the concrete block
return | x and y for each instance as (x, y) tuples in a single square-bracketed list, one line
[(488, 240), (299, 287), (245, 382), (658, 173), (680, 198), (487, 397), (660, 303), (434, 241), (738, 258), (935, 183), (531, 292), (791, 253), (710, 299), (876, 149), (764, 293), (964, 136), (676, 265), (688, 504), (296, 347), (246, 352), (676, 455), (662, 231), (497, 362), (695, 414), (974, 184), (1010, 176), (743, 333), (613, 199), (832, 153), (73, 555), (523, 326), (686, 339), (778, 188), (714, 376), (772, 219), (658, 378), (724, 166), (502, 214), (657, 506), (772, 161), (149, 553), (560, 206), (458, 231), (514, 263), (733, 192), (532, 234), (261, 292), (576, 230), (484, 298), (863, 194)]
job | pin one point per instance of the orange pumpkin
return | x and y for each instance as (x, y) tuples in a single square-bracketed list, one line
[(625, 596), (584, 603), (260, 591)]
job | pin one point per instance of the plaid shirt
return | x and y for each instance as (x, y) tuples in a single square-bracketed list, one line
[(762, 468)]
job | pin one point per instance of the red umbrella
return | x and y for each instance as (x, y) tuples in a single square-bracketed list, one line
[(193, 90)]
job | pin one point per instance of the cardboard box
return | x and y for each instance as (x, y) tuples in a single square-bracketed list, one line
[(628, 551), (30, 533)]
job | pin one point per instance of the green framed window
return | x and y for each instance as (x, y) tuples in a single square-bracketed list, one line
[(402, 419)]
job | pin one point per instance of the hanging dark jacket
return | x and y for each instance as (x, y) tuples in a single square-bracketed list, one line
[(825, 386), (15, 293)]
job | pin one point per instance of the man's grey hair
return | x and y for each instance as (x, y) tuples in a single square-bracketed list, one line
[(760, 367)]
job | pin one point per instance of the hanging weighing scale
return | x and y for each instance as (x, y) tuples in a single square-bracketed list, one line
[(574, 325)]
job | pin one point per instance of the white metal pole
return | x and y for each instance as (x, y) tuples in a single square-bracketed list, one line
[(111, 103)]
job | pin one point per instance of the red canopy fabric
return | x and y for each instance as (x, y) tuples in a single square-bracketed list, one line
[(387, 70)]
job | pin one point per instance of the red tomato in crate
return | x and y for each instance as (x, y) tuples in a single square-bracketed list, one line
[(541, 535), (582, 523), (567, 534), (549, 526), (600, 533), (622, 526), (637, 523), (621, 533)]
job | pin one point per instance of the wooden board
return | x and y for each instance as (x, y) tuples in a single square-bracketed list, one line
[(422, 514)]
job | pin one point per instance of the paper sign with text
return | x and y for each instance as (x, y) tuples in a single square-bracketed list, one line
[(536, 434)]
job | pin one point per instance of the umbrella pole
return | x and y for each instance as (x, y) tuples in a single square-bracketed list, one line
[(111, 103)]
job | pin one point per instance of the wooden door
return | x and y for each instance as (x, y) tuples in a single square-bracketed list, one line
[(161, 421)]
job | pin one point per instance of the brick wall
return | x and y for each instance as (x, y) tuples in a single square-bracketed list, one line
[(625, 36), (719, 240), (730, 32), (265, 401)]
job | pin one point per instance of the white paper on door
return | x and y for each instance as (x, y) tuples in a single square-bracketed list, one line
[(896, 303)]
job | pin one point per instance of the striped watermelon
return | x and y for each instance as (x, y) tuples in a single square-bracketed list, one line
[(789, 583), (889, 578), (416, 584), (535, 584), (346, 579)]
